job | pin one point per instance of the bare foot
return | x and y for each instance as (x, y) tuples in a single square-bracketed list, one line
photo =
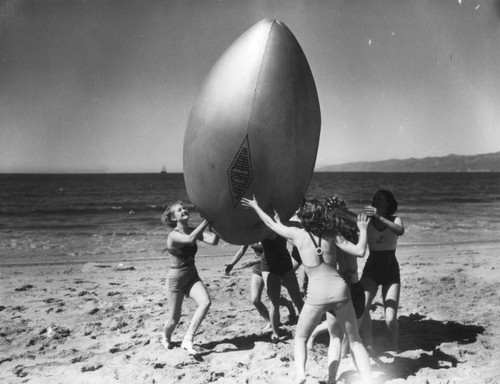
[(374, 356), (300, 380), (167, 344), (276, 339), (267, 329), (188, 346)]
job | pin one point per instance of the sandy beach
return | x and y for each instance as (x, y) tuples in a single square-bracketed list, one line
[(101, 323)]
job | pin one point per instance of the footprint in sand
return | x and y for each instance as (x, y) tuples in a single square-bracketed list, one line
[(24, 288), (81, 359), (19, 371), (91, 368), (121, 347)]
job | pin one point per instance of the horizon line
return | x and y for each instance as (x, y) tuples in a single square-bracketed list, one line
[(317, 168)]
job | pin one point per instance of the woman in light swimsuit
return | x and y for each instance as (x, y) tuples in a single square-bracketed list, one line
[(382, 267), (317, 243), (347, 266), (182, 278)]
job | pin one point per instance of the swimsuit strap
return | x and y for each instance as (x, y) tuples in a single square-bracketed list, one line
[(166, 249), (319, 251)]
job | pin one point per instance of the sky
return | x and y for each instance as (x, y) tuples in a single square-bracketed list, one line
[(107, 85)]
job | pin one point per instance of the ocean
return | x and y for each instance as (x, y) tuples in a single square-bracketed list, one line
[(110, 217)]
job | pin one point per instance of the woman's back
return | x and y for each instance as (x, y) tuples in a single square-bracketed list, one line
[(308, 243), (319, 254)]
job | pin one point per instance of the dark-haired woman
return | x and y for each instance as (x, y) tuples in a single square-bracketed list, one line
[(183, 276), (382, 267), (317, 242)]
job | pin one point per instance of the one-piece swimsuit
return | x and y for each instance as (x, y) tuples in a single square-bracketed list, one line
[(183, 273), (326, 286), (382, 265), (276, 257)]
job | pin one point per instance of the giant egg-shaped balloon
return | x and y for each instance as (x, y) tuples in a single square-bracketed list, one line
[(253, 130)]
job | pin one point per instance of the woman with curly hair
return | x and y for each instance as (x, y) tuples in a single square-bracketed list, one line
[(347, 266), (318, 241)]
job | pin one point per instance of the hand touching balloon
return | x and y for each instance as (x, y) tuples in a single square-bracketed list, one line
[(247, 203)]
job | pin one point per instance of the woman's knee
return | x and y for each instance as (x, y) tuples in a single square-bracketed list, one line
[(206, 303), (256, 302), (392, 322), (301, 339), (354, 337), (172, 321)]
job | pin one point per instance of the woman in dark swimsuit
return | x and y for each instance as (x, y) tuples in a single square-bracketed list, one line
[(277, 270), (317, 243), (182, 278), (382, 267), (257, 284)]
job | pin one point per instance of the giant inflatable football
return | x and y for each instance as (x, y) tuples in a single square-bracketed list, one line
[(253, 130)]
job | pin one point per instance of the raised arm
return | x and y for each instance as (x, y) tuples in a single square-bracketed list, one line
[(237, 257), (359, 249), (275, 226), (395, 226), (184, 238)]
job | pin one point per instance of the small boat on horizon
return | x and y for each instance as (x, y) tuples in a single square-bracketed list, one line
[(164, 170)]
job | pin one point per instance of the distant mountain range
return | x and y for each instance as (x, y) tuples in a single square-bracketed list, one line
[(489, 162)]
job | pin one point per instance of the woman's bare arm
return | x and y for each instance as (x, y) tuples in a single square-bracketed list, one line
[(359, 249), (275, 226)]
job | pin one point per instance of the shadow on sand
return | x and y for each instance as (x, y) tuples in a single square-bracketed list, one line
[(423, 337), (240, 343)]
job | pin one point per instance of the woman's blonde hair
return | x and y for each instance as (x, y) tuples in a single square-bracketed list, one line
[(167, 217)]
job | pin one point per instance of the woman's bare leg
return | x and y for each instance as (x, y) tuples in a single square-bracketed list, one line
[(174, 306), (200, 295), (256, 288), (320, 328), (370, 287), (291, 284), (391, 302), (273, 287), (347, 318), (335, 345), (308, 319)]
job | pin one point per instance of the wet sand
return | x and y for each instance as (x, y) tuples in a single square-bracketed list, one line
[(102, 322)]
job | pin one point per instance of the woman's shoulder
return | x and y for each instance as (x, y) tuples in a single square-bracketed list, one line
[(173, 232), (396, 219), (175, 235)]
